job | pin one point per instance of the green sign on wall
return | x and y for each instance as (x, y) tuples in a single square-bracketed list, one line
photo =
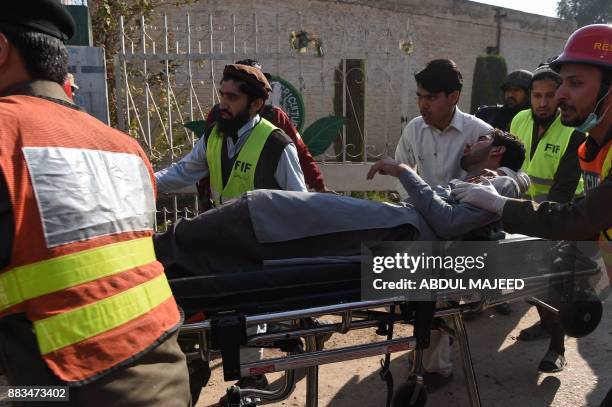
[(288, 98)]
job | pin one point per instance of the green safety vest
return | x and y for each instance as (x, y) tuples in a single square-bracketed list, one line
[(543, 166), (242, 177)]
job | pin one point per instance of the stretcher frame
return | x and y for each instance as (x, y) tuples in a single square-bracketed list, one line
[(359, 315)]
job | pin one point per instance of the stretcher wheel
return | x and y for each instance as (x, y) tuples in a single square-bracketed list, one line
[(199, 373), (404, 393), (579, 318)]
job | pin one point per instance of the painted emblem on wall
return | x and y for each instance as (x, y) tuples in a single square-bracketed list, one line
[(288, 98)]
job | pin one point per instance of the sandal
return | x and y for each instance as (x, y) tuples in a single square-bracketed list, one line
[(552, 362), (533, 333)]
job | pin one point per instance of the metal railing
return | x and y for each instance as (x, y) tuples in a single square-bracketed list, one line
[(168, 69)]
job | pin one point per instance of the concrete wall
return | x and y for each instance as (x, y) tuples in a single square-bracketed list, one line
[(363, 29)]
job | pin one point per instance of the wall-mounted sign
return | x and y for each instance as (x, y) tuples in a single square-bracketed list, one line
[(288, 98)]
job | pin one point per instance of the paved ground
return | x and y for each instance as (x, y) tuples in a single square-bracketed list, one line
[(506, 369)]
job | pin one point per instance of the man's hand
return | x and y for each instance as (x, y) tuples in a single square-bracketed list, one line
[(476, 179), (483, 195), (387, 166), (326, 190)]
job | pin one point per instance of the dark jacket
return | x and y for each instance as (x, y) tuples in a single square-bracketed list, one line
[(498, 116), (579, 220), (582, 219)]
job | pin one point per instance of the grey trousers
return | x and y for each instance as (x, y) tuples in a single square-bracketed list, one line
[(158, 378), (223, 239)]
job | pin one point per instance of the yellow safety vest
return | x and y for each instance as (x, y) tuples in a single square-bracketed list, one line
[(242, 177), (543, 166)]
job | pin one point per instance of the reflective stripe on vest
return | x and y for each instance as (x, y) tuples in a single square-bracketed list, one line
[(57, 332), (82, 266), (543, 166), (242, 176), (102, 192), (37, 279)]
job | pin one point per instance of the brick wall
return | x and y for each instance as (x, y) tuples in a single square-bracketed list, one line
[(361, 29)]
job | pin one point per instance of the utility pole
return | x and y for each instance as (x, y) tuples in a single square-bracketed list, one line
[(499, 16)]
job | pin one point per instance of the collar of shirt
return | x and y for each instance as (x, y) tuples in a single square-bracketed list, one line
[(42, 89), (243, 135), (456, 122)]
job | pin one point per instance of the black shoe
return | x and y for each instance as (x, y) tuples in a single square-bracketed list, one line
[(504, 309), (435, 381), (552, 362)]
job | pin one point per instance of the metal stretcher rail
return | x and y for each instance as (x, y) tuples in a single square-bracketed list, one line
[(360, 315)]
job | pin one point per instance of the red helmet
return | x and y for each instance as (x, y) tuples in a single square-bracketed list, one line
[(591, 45)]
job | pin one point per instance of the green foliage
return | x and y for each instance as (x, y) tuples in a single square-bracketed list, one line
[(319, 135), (585, 12), (107, 31), (489, 73)]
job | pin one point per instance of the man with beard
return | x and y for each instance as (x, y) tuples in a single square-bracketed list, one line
[(276, 116), (553, 167), (515, 90), (551, 162), (433, 142), (243, 151), (585, 99)]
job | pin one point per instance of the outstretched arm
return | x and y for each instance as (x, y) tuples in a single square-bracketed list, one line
[(448, 220), (189, 170)]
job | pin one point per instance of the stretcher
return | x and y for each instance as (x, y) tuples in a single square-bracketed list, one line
[(288, 295)]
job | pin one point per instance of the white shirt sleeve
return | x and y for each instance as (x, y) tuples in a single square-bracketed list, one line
[(404, 153), (288, 173), (480, 129), (189, 170)]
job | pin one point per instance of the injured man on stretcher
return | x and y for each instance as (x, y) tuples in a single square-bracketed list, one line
[(267, 225)]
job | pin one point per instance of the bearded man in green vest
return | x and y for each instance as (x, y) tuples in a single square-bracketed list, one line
[(554, 170), (243, 151), (551, 161)]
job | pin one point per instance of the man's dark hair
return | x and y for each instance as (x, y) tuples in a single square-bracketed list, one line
[(515, 150), (440, 75), (544, 72), (253, 92), (250, 62), (545, 76), (44, 57)]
